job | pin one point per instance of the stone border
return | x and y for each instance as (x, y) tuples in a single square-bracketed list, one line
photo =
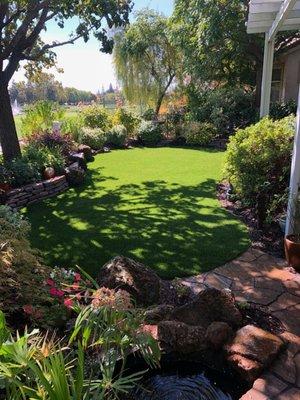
[(259, 278), (35, 192)]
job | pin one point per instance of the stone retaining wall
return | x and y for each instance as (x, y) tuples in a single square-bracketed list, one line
[(35, 192)]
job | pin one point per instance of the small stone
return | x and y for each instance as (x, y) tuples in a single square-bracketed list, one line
[(87, 152), (218, 333)]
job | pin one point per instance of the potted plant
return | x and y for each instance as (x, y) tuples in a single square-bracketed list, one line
[(292, 240)]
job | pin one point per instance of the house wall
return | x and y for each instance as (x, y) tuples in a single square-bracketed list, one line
[(291, 76)]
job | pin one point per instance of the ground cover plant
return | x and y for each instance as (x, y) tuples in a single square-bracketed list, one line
[(158, 206)]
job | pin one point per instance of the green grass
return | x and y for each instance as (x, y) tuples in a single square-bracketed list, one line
[(158, 206)]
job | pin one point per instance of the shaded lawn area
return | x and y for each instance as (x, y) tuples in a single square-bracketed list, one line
[(157, 206)]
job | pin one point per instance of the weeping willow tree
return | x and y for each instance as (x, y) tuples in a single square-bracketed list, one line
[(145, 59)]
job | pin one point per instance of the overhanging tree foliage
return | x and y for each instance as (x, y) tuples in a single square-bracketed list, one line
[(145, 59), (21, 25), (216, 47)]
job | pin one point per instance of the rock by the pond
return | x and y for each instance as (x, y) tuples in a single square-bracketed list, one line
[(87, 151), (140, 281), (218, 333), (159, 313), (209, 306), (251, 350), (180, 337)]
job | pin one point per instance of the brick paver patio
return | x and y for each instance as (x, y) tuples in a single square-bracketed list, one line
[(259, 278)]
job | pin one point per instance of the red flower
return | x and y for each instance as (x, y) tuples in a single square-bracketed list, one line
[(68, 303), (50, 282), (77, 277), (56, 292)]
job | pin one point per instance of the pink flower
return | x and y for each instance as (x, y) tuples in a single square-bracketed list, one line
[(68, 303), (56, 292), (77, 277), (75, 286), (78, 296), (50, 282)]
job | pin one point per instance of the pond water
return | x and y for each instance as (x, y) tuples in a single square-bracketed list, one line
[(181, 380)]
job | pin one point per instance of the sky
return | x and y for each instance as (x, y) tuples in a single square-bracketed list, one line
[(85, 67)]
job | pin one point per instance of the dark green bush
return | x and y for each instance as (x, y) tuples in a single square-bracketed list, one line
[(258, 162), (226, 108), (150, 133), (96, 117), (117, 136), (23, 172), (199, 133), (280, 110)]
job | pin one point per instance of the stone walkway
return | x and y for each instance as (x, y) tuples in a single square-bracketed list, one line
[(259, 278)]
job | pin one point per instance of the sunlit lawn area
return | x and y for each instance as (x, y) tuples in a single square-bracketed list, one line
[(158, 206)]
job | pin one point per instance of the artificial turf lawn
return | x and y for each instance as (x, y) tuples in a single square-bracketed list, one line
[(156, 205)]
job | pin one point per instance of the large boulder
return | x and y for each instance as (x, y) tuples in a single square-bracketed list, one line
[(140, 281), (179, 337), (251, 350), (210, 305)]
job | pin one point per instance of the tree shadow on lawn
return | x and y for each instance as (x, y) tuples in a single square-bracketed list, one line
[(176, 230)]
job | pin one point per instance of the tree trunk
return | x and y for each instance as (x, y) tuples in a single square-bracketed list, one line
[(159, 103), (8, 134)]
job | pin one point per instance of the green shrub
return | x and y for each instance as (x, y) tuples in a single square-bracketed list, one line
[(96, 117), (117, 136), (42, 157), (258, 163), (6, 176), (149, 133), (226, 108), (199, 134), (72, 126), (125, 118), (13, 223), (280, 110), (40, 117), (95, 138), (23, 172)]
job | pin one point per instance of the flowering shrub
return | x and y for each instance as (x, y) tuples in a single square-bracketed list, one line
[(104, 297), (95, 138), (71, 289), (150, 133), (53, 140), (24, 297), (117, 136), (96, 117)]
